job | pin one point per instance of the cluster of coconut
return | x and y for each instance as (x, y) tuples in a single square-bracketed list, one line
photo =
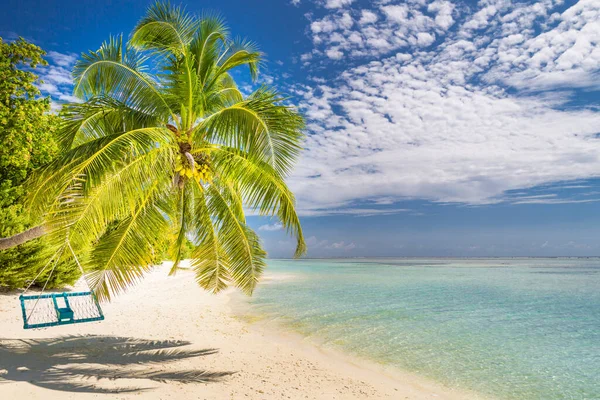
[(199, 169), (188, 166)]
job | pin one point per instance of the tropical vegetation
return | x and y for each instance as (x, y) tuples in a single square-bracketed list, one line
[(27, 141)]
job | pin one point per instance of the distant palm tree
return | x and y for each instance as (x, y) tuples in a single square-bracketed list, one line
[(164, 146)]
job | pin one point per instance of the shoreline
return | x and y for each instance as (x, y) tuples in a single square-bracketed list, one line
[(278, 332), (167, 338)]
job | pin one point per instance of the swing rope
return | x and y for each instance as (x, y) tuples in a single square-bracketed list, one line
[(45, 284), (41, 271), (79, 265)]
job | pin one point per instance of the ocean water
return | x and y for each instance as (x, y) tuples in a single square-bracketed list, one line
[(507, 328)]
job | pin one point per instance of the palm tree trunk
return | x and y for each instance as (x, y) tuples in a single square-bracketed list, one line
[(20, 238)]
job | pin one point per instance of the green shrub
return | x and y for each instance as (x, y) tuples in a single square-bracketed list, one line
[(27, 141)]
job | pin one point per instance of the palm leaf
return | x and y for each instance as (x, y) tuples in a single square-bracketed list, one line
[(239, 242), (207, 44), (123, 254), (99, 117), (119, 73), (262, 188), (209, 259), (165, 28), (240, 52), (260, 126), (85, 218), (89, 162)]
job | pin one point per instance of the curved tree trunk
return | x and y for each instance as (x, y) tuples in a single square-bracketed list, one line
[(20, 238)]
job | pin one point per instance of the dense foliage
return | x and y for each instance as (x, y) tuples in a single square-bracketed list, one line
[(164, 148), (27, 141)]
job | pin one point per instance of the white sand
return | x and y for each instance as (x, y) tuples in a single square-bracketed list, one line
[(213, 355)]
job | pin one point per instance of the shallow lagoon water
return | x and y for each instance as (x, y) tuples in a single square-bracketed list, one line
[(509, 328)]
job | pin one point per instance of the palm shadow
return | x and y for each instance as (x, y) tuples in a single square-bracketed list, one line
[(65, 363)]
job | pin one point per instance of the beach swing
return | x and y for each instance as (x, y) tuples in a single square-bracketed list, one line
[(54, 309)]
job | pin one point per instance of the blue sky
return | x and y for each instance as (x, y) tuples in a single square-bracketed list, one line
[(436, 128)]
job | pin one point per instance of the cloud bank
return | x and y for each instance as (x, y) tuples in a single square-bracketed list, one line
[(447, 102)]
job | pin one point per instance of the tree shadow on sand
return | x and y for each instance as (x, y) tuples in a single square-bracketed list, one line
[(65, 363)]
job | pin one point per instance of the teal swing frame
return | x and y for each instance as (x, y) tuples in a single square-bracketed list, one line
[(65, 315)]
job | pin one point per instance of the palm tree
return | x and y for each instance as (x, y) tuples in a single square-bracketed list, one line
[(165, 147)]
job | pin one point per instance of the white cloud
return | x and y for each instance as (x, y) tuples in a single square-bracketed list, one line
[(556, 201), (308, 211), (49, 88), (481, 18), (63, 60), (334, 54), (337, 3), (425, 39), (398, 14), (438, 122), (444, 10), (382, 29), (271, 227), (57, 80), (341, 246), (313, 243), (367, 17), (567, 55)]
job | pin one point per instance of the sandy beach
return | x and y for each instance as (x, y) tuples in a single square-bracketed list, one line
[(168, 339)]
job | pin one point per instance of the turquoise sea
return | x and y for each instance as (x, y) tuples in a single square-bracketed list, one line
[(509, 328)]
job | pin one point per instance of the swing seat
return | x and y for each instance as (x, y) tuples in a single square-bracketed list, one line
[(65, 313), (53, 309)]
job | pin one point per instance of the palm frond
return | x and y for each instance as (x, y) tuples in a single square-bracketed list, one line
[(122, 255), (99, 117), (88, 163), (261, 126), (240, 52), (207, 45), (165, 28), (119, 73), (209, 259), (182, 88), (262, 188), (242, 246), (224, 94), (86, 218)]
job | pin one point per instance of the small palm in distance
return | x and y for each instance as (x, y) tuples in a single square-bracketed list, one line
[(164, 146)]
